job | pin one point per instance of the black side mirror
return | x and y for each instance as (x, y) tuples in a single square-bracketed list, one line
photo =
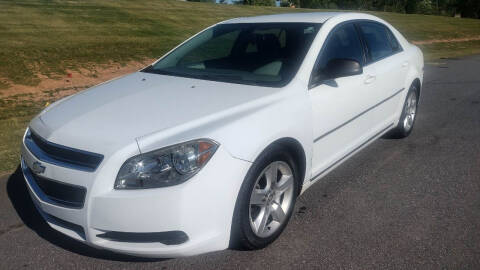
[(338, 67)]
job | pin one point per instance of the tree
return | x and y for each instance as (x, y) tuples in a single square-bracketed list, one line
[(468, 8), (411, 6)]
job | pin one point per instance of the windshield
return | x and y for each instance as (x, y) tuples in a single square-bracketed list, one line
[(267, 54)]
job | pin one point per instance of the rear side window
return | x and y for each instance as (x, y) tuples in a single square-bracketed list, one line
[(393, 41), (342, 43), (376, 37)]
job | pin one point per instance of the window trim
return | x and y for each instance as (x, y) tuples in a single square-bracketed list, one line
[(312, 84)]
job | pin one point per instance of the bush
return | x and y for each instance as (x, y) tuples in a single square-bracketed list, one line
[(425, 7)]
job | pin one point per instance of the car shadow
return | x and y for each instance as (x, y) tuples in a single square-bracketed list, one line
[(20, 198)]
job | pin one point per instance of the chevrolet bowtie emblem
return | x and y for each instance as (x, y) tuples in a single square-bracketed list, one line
[(37, 168)]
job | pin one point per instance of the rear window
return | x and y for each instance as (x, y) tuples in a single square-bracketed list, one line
[(393, 41)]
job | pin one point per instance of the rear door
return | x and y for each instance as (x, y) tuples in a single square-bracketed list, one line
[(386, 56)]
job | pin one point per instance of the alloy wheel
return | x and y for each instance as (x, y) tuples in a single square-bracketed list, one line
[(271, 199), (410, 111)]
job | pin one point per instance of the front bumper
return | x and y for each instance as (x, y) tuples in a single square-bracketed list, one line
[(201, 208)]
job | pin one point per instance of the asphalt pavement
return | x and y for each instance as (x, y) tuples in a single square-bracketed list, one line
[(398, 204)]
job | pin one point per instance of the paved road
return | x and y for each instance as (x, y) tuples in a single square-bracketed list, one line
[(401, 204)]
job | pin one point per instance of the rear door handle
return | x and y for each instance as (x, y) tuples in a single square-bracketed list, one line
[(405, 64), (370, 79)]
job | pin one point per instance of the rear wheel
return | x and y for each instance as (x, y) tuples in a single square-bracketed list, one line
[(266, 200), (408, 116)]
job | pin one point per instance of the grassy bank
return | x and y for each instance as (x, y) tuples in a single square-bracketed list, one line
[(47, 38), (14, 117)]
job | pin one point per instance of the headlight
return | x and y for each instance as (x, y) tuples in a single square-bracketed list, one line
[(165, 167)]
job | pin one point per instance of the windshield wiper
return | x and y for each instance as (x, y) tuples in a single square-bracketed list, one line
[(210, 77), (150, 69)]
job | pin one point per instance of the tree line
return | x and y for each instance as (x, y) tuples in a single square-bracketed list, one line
[(461, 8)]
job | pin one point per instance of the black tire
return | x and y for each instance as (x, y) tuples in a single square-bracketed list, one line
[(402, 130), (243, 236)]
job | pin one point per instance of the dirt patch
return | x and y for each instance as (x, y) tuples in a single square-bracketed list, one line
[(431, 41), (72, 82)]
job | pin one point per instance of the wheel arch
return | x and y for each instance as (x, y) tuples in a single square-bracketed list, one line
[(418, 84), (295, 149), (413, 78)]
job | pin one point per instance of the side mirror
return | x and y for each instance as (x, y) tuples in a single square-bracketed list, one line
[(338, 67)]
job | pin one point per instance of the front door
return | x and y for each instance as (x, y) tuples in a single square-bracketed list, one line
[(341, 120)]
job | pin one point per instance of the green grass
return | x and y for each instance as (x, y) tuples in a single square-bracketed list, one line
[(49, 37), (15, 113)]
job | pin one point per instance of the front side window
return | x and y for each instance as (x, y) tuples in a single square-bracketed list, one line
[(378, 42), (267, 54), (342, 43)]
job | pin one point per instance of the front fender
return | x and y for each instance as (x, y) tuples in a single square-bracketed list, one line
[(246, 130), (290, 117)]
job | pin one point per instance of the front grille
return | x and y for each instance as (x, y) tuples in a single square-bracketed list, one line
[(61, 155), (64, 194)]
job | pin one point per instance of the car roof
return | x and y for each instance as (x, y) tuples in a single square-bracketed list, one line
[(310, 17)]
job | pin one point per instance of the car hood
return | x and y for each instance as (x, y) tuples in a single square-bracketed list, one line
[(111, 115)]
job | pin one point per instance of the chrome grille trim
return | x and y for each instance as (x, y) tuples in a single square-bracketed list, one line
[(61, 155)]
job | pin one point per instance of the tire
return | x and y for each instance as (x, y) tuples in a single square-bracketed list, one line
[(261, 196), (408, 116)]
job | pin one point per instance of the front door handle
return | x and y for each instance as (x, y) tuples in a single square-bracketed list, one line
[(405, 64), (370, 79)]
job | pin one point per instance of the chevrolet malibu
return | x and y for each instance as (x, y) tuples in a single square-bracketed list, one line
[(209, 147)]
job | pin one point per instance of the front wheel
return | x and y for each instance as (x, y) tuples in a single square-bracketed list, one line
[(266, 200)]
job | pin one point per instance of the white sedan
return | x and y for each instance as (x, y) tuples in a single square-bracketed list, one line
[(209, 147)]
